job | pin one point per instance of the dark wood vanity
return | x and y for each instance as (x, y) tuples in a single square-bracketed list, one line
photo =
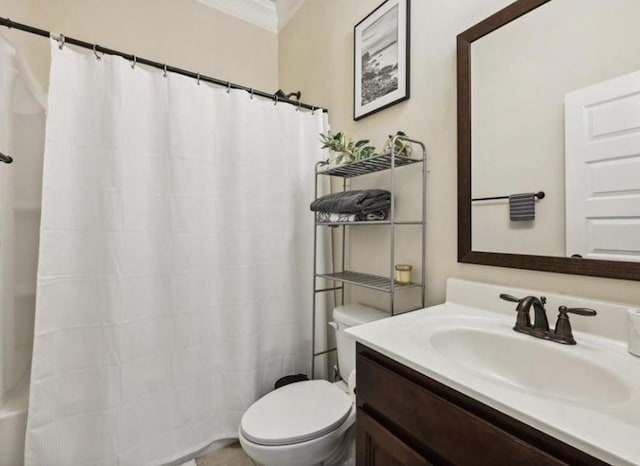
[(406, 418)]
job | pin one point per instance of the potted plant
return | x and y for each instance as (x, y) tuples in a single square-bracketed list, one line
[(348, 150), (401, 148)]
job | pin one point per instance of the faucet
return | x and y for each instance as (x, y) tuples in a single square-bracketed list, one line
[(540, 328), (540, 325)]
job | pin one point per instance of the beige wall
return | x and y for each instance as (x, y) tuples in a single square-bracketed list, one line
[(183, 33), (316, 56), (518, 91)]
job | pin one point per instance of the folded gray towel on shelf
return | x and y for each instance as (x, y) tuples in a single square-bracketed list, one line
[(522, 207), (353, 202)]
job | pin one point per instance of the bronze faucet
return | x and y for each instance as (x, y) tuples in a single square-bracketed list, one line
[(540, 328)]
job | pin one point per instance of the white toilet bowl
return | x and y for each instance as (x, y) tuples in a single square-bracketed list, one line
[(301, 424), (312, 422)]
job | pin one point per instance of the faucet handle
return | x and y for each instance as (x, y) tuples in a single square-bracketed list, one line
[(563, 332), (508, 297), (513, 299), (582, 311)]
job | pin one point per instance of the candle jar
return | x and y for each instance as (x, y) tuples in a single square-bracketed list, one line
[(403, 273)]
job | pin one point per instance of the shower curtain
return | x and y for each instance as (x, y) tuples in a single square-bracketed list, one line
[(174, 283)]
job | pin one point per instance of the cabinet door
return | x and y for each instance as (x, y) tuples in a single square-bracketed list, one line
[(376, 446)]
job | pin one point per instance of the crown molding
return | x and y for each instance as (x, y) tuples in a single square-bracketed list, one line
[(261, 13), (287, 9)]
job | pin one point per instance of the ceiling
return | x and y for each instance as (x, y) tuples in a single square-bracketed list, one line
[(271, 15)]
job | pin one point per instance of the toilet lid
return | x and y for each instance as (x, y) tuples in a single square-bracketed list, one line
[(296, 413)]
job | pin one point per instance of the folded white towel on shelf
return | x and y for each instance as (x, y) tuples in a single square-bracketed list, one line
[(334, 217)]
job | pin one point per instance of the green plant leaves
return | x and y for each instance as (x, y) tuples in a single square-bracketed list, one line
[(401, 148), (351, 151)]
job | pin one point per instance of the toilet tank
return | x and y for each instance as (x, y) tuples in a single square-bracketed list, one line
[(351, 315)]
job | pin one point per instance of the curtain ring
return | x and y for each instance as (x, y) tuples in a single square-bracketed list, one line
[(134, 62), (61, 40), (95, 52), (9, 23), (198, 78), (276, 99), (313, 110), (228, 87), (164, 70), (252, 93)]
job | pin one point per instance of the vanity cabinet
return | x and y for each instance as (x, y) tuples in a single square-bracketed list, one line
[(376, 445), (406, 418)]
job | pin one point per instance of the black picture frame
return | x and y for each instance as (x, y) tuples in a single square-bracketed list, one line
[(381, 65)]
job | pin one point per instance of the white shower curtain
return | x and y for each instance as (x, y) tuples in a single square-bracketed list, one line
[(174, 284)]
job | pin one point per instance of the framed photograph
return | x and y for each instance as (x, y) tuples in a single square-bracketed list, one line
[(381, 58)]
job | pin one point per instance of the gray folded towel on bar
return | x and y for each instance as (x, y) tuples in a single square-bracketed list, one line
[(522, 207), (353, 202)]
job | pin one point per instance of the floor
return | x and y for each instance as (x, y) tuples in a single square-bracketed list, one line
[(231, 455)]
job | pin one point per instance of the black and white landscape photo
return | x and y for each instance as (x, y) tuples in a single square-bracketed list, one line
[(380, 57), (381, 68)]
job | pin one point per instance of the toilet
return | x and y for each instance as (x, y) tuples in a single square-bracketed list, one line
[(309, 423)]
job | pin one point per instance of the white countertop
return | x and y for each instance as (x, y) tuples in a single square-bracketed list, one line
[(609, 431)]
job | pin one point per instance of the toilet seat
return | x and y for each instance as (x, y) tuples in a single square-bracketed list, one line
[(296, 413)]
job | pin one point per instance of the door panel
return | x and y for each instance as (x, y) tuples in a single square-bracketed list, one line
[(602, 125)]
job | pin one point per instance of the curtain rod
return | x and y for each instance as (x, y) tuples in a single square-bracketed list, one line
[(161, 66)]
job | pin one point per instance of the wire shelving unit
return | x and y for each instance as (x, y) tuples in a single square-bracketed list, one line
[(386, 284)]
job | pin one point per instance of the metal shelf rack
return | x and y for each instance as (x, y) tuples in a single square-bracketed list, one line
[(378, 163), (373, 282)]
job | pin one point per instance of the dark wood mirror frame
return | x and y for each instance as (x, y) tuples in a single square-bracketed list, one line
[(590, 267)]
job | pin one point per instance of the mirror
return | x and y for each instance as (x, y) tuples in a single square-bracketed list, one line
[(549, 105)]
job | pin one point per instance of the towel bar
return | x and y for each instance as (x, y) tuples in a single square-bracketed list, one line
[(539, 195)]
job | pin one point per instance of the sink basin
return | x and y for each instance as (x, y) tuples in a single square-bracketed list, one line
[(586, 395), (542, 367)]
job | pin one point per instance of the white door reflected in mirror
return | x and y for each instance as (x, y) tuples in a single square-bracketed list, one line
[(520, 75), (602, 175)]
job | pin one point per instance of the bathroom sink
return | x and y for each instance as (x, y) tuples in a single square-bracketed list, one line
[(542, 367), (586, 395)]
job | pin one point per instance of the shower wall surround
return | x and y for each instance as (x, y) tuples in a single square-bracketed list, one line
[(22, 122)]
